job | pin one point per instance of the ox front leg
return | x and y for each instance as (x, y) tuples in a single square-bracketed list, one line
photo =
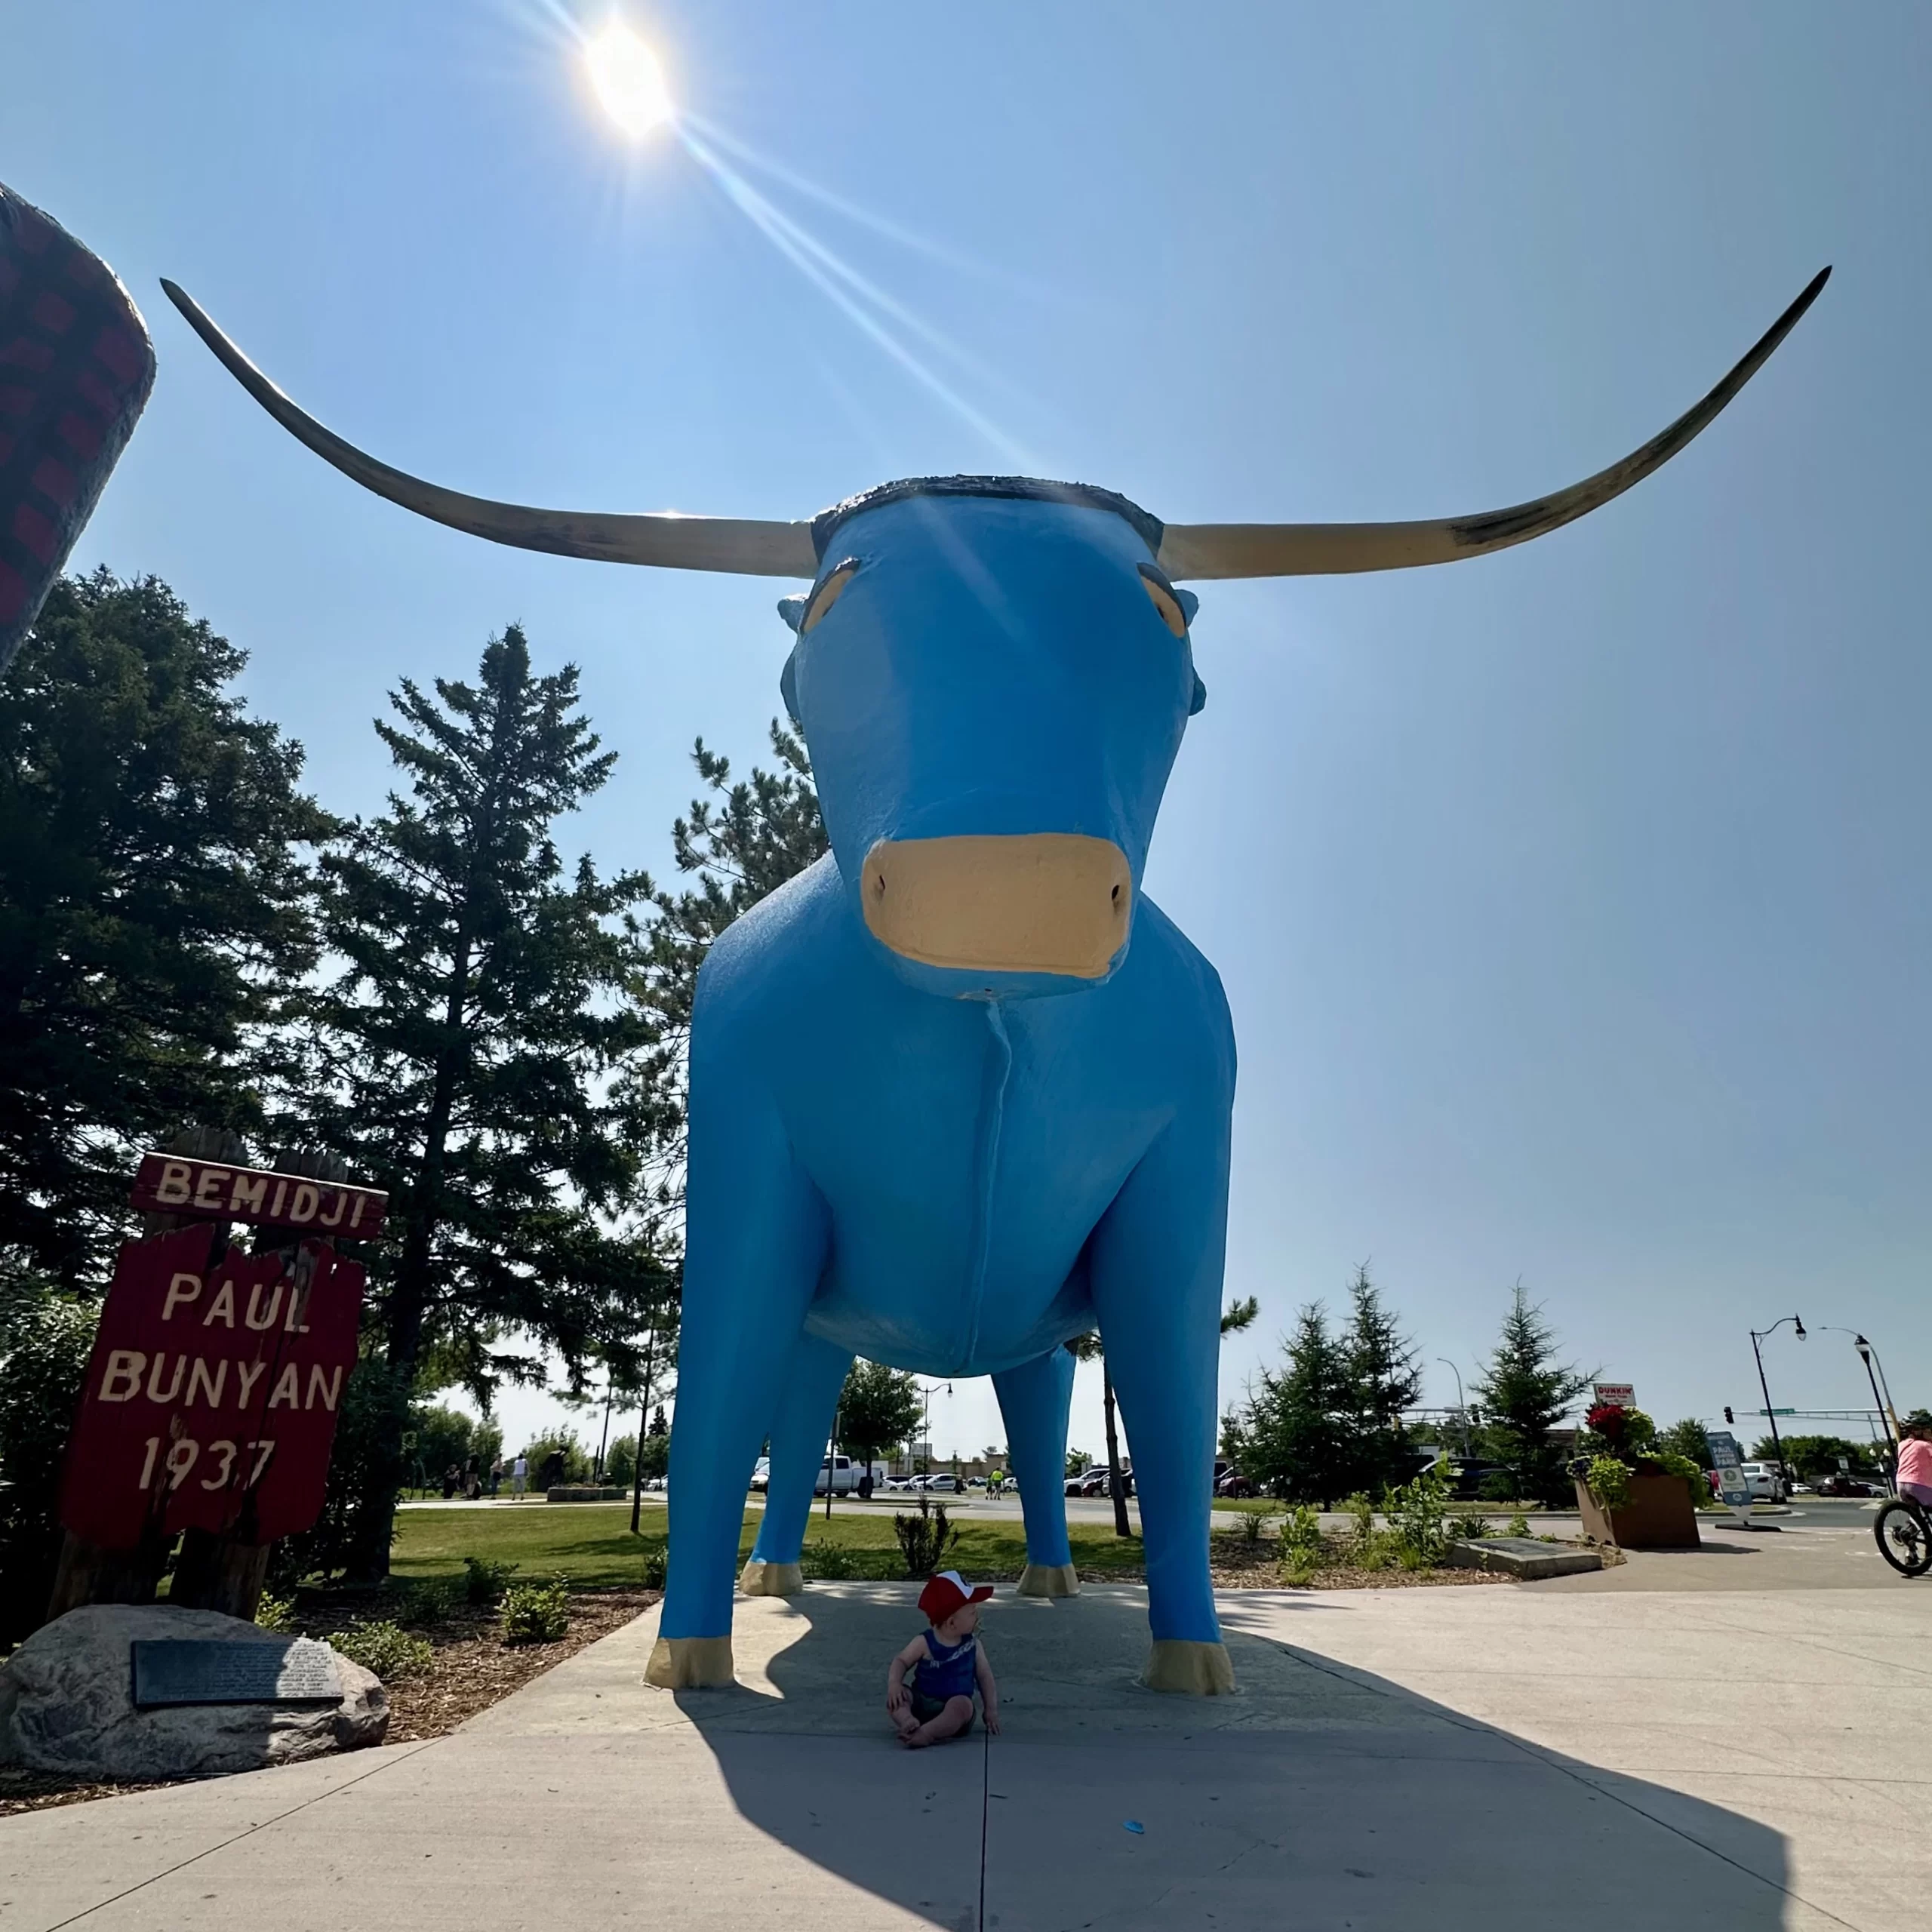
[(755, 1236), (1033, 1399), (798, 1437), (1157, 1259)]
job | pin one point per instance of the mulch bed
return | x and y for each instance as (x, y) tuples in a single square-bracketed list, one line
[(469, 1671), (1236, 1564)]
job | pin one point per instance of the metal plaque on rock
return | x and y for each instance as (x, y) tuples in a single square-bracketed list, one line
[(200, 1671)]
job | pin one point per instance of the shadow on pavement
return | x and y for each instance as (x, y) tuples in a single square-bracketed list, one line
[(1319, 1795)]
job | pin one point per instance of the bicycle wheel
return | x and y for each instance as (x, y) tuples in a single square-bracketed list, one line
[(1904, 1541)]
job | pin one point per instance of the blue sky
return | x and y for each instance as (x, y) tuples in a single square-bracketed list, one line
[(1572, 903)]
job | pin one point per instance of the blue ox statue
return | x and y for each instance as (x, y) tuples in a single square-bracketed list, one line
[(960, 1092)]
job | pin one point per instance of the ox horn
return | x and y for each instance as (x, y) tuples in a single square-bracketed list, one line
[(1310, 549), (686, 542)]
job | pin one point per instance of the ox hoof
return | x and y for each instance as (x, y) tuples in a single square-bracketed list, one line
[(690, 1663), (1049, 1579), (770, 1579), (1195, 1670)]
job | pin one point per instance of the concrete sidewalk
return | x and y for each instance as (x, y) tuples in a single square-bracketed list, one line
[(1503, 1757)]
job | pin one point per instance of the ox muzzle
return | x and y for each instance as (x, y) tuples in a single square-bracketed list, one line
[(1037, 902)]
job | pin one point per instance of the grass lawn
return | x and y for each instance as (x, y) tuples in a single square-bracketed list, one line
[(591, 1543)]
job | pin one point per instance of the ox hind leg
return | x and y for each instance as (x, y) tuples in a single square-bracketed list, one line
[(1033, 1399), (799, 1436)]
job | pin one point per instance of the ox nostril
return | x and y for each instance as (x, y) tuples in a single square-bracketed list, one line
[(1116, 895), (879, 884)]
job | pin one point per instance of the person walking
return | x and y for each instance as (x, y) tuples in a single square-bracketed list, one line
[(496, 1477), (519, 1478)]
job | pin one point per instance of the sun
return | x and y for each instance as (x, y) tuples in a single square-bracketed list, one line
[(628, 81)]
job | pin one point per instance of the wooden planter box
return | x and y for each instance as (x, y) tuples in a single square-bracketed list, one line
[(1659, 1516)]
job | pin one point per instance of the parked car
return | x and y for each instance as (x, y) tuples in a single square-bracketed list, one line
[(951, 1484), (1841, 1484), (1766, 1482), (1232, 1484), (1466, 1475)]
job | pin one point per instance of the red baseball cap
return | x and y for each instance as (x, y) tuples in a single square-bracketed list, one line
[(949, 1591)]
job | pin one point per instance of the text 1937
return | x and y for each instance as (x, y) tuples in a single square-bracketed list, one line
[(183, 1454)]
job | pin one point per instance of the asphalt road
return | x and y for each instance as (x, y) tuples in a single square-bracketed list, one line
[(1808, 1513)]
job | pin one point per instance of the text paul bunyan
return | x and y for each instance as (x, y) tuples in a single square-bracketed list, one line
[(188, 1374)]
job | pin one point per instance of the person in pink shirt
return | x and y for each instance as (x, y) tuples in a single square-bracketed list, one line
[(1915, 1457)]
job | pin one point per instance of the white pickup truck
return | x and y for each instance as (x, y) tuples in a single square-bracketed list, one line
[(845, 1475)]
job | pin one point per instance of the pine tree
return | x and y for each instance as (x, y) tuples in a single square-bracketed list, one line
[(737, 846), (462, 1055), (154, 899), (1384, 1379), (1525, 1394), (1297, 1437)]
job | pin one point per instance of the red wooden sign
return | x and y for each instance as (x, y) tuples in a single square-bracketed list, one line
[(180, 1184), (213, 1392)]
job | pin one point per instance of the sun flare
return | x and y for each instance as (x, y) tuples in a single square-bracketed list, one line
[(628, 80)]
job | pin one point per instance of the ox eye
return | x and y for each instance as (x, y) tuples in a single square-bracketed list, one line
[(827, 593), (1161, 595)]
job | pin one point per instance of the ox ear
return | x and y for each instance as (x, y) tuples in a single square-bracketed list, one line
[(788, 680), (792, 610), (1200, 695), (1189, 605)]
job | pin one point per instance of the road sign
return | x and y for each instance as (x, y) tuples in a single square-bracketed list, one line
[(1727, 1460), (220, 1191), (212, 1391), (1621, 1393), (1774, 1412)]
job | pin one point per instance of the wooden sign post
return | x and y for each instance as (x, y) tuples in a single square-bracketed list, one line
[(212, 1393)]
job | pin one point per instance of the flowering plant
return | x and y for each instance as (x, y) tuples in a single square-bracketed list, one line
[(1608, 1420)]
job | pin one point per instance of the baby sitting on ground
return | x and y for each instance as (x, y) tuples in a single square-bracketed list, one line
[(944, 1662)]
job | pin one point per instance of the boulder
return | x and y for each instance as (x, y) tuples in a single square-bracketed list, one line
[(67, 1702)]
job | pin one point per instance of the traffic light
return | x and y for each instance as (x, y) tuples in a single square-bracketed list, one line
[(1727, 1415)]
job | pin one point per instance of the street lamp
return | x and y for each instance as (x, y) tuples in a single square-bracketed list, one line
[(1888, 1417), (1872, 1374), (1757, 1336), (926, 1394), (1871, 1362), (1462, 1407)]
